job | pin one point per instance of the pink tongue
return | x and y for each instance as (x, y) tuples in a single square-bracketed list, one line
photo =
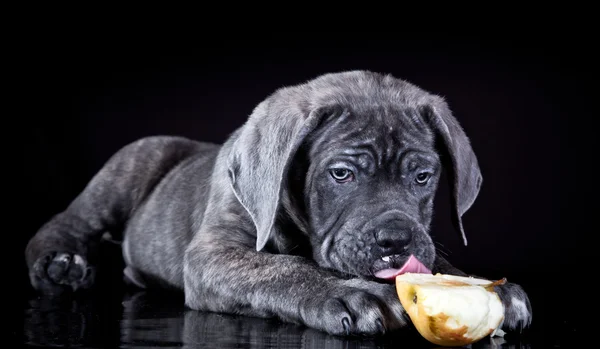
[(412, 265)]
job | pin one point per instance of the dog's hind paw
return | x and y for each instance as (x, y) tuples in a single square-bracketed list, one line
[(57, 272)]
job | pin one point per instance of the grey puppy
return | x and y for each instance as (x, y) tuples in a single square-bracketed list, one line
[(305, 213)]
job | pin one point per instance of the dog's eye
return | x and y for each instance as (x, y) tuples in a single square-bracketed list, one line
[(423, 178), (341, 174)]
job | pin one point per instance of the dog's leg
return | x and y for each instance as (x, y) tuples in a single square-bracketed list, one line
[(60, 256), (223, 273), (516, 303)]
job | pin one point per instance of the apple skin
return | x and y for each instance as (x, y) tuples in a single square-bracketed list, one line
[(449, 310)]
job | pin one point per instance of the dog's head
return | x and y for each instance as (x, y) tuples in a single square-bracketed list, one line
[(354, 160)]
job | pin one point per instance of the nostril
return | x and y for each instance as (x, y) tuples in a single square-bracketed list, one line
[(393, 239), (383, 238)]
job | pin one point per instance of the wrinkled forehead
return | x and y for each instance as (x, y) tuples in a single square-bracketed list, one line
[(386, 128)]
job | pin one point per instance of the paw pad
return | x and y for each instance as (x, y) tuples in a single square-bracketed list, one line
[(59, 270)]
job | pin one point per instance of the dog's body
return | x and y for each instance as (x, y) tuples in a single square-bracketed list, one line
[(303, 213)]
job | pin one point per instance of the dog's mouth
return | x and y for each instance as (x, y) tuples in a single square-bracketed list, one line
[(388, 267)]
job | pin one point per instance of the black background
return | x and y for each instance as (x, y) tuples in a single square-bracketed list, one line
[(515, 96)]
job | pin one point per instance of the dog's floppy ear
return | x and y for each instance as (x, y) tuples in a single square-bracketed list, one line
[(467, 178), (261, 156)]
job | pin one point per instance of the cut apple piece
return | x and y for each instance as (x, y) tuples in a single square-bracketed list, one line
[(450, 310)]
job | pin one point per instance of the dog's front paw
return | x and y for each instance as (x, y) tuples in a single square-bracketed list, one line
[(57, 272), (517, 314), (354, 310)]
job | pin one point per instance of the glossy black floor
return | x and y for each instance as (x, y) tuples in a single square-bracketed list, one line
[(118, 316)]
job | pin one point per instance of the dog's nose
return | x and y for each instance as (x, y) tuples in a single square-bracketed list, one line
[(393, 240)]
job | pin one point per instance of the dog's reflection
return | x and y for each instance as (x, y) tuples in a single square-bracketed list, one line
[(59, 322), (147, 325), (159, 320)]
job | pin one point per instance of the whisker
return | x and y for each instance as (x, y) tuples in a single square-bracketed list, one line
[(441, 252), (289, 250), (441, 248)]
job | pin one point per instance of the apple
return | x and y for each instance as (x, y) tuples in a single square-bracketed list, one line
[(450, 310)]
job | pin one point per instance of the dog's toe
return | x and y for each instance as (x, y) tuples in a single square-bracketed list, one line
[(518, 312), (55, 273)]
